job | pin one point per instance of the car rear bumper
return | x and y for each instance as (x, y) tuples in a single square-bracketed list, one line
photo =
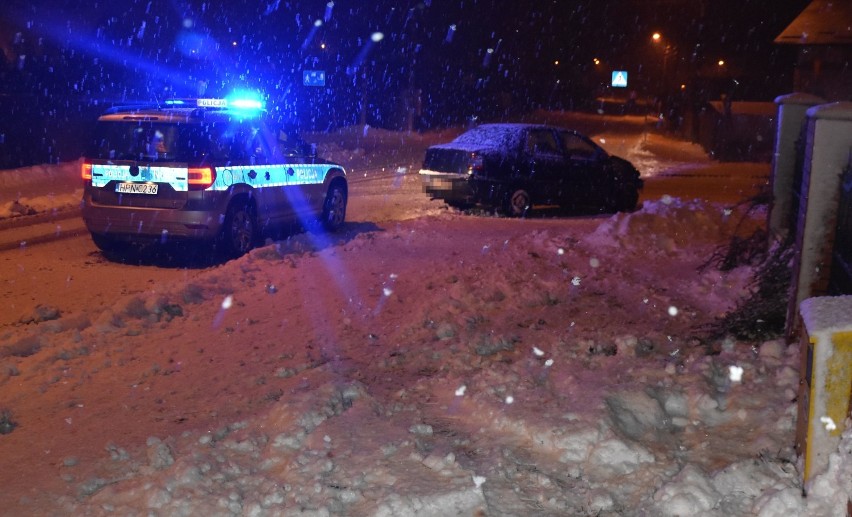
[(447, 186), (137, 223)]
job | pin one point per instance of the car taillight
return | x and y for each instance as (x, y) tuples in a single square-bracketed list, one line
[(86, 172), (475, 165), (200, 178)]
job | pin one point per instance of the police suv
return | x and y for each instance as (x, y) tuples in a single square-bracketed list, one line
[(214, 170)]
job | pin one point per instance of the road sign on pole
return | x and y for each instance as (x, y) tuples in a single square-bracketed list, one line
[(313, 77), (619, 79)]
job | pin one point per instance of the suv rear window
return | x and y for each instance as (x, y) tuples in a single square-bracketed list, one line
[(214, 141)]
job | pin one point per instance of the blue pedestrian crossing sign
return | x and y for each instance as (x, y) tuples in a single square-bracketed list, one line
[(619, 79), (313, 77)]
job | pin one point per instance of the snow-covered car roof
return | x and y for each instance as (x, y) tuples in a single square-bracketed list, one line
[(502, 138)]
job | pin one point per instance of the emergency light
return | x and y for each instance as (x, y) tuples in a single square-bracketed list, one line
[(243, 101)]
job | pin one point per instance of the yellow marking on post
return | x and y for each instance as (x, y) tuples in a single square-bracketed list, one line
[(838, 382)]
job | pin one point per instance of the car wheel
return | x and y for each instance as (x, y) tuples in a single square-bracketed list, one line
[(105, 243), (624, 199), (629, 200), (334, 208), (518, 203), (240, 231)]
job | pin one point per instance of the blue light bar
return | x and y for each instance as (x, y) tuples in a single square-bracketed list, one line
[(250, 104), (245, 100)]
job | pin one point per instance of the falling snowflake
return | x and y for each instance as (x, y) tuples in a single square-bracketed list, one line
[(575, 280), (537, 351), (735, 373), (460, 390), (228, 302), (672, 310)]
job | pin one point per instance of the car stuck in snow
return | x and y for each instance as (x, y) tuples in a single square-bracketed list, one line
[(512, 167)]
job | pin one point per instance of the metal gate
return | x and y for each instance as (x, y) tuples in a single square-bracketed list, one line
[(841, 267)]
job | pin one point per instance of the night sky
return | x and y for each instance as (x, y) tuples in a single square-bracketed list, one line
[(486, 58)]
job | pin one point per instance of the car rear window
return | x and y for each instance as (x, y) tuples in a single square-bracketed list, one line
[(214, 141)]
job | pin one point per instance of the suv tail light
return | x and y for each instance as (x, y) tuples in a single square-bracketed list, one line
[(86, 172), (200, 178), (475, 165)]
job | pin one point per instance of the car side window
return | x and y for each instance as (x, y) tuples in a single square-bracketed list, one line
[(290, 147), (542, 142), (576, 147), (243, 143)]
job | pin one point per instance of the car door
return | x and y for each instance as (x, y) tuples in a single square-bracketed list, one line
[(250, 156), (585, 164), (547, 166), (305, 176)]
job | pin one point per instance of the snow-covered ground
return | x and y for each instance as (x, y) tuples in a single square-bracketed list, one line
[(443, 364)]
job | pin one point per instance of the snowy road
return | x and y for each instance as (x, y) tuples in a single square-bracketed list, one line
[(422, 362)]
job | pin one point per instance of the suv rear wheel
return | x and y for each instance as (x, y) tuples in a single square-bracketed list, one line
[(239, 233)]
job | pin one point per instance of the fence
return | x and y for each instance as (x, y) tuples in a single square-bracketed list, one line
[(841, 267)]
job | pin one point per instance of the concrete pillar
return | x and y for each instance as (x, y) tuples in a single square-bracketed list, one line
[(828, 151), (826, 380), (792, 109)]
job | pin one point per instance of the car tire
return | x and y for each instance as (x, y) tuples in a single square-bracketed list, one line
[(239, 233), (517, 203), (334, 208), (106, 243), (623, 199), (629, 200)]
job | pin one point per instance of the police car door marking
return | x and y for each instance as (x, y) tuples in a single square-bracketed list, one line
[(278, 175)]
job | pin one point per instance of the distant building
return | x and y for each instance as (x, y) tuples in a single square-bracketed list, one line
[(823, 33)]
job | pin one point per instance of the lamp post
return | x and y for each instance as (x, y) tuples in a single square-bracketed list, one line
[(657, 39)]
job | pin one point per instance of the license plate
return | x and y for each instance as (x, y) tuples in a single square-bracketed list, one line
[(136, 188)]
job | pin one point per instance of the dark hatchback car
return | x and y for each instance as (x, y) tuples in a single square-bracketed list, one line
[(512, 167)]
